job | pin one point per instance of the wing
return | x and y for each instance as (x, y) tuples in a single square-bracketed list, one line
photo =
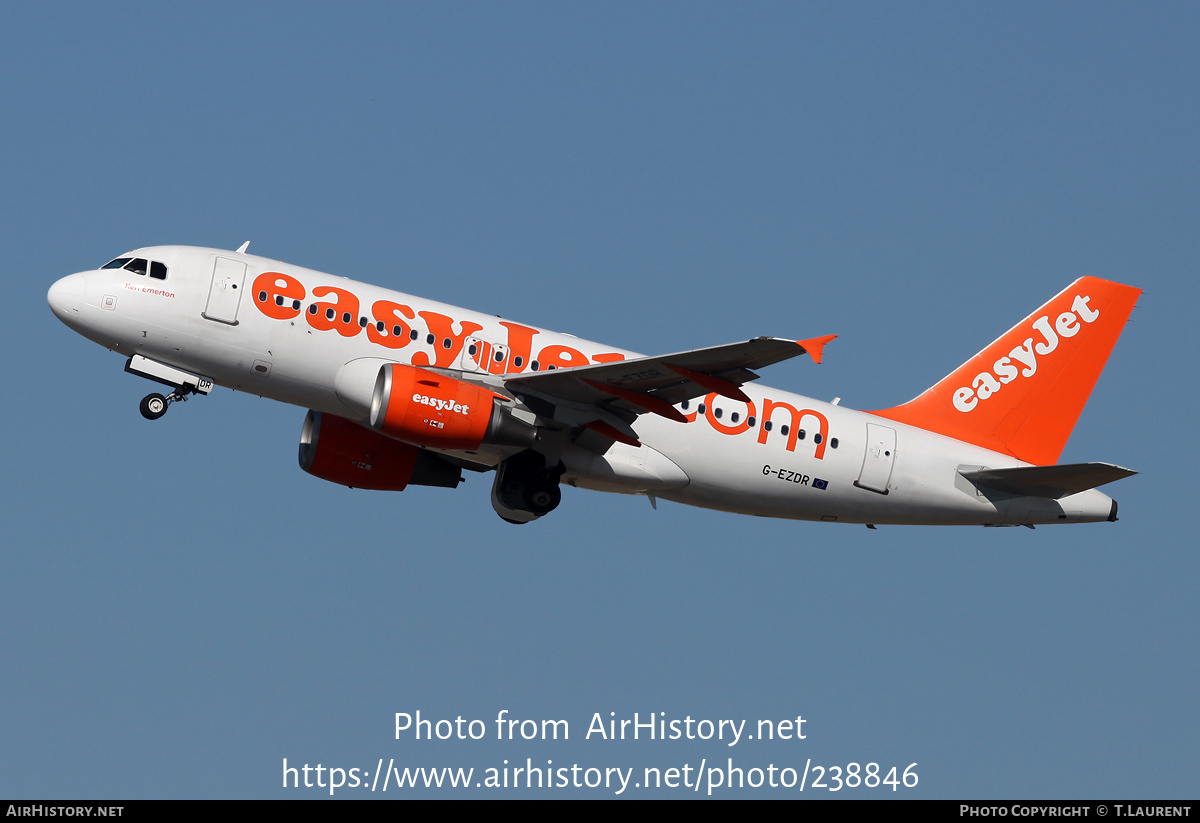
[(606, 397)]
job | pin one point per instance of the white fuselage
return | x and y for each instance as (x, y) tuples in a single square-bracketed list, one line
[(817, 461)]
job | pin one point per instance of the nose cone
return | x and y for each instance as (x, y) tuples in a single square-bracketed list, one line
[(65, 297)]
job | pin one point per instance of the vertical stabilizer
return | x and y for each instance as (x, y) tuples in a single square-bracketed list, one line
[(1022, 394)]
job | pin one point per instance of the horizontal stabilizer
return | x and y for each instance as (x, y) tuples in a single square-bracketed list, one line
[(1048, 481)]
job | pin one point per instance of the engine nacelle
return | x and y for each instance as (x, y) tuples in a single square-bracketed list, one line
[(428, 409), (335, 449)]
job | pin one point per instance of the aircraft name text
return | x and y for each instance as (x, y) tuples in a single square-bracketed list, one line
[(1005, 370)]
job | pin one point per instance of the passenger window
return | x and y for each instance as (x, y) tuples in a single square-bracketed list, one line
[(446, 343), (362, 322), (159, 271), (330, 314), (311, 309), (733, 417), (412, 335), (750, 421), (518, 360), (801, 434), (817, 438), (137, 266), (429, 339), (766, 425), (833, 442), (783, 430), (717, 413), (346, 317)]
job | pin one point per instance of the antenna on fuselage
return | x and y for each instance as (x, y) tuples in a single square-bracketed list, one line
[(242, 248)]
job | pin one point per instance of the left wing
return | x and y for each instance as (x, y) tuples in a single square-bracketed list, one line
[(629, 388)]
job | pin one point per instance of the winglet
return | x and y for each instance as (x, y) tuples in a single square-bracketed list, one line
[(815, 346)]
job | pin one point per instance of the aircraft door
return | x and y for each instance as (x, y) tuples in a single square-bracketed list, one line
[(225, 292), (878, 459)]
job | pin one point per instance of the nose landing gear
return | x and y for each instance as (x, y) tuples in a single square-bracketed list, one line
[(154, 405), (182, 383)]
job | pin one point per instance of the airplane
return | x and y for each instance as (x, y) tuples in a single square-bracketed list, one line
[(405, 391)]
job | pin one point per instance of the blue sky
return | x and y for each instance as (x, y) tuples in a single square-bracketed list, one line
[(181, 608)]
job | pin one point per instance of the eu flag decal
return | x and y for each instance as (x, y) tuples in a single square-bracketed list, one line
[(818, 483)]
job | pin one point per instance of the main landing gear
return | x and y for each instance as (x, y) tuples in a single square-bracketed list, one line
[(526, 487), (154, 405)]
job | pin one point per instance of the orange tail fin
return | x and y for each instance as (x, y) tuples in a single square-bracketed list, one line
[(1023, 393)]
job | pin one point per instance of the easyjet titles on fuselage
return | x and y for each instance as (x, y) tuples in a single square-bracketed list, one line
[(281, 296)]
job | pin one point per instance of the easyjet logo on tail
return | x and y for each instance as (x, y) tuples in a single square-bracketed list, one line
[(1023, 393), (1022, 361)]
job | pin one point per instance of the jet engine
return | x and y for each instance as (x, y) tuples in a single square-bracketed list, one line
[(340, 451), (428, 409)]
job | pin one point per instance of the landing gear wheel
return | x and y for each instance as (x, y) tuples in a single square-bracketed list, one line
[(544, 499), (526, 488), (153, 406)]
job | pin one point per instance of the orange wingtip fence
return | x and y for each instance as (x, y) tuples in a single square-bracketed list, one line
[(815, 346)]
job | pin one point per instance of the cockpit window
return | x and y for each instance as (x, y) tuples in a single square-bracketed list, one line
[(139, 265)]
